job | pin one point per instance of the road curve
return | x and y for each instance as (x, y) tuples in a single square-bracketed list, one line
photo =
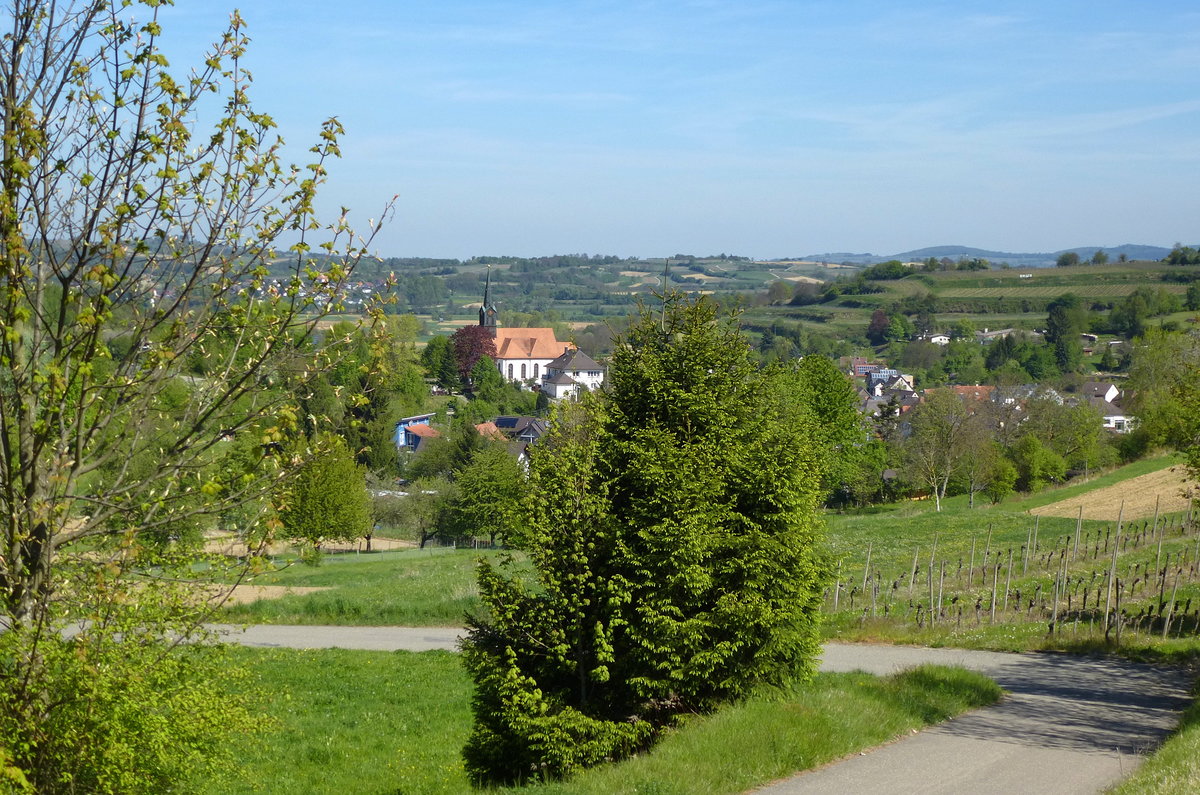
[(1069, 724)]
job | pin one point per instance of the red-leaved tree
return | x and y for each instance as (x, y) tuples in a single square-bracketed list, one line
[(470, 344)]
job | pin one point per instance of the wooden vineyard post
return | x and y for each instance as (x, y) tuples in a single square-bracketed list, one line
[(941, 587), (1036, 520), (837, 586), (1112, 570), (932, 555), (995, 583), (932, 617), (987, 548), (971, 568), (1025, 551), (1171, 606), (1007, 581), (1078, 528), (1054, 611), (867, 568)]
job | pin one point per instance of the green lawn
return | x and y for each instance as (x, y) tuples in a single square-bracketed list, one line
[(377, 722), (430, 587)]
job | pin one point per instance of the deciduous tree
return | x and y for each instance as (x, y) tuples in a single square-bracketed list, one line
[(126, 219), (470, 344), (938, 442)]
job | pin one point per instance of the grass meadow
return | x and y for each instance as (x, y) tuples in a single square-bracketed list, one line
[(418, 587), (382, 723)]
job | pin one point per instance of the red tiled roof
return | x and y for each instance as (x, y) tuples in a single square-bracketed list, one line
[(488, 430), (528, 343), (423, 430)]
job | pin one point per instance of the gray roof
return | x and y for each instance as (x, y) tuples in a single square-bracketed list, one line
[(574, 360)]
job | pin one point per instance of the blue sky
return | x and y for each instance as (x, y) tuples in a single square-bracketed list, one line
[(765, 129)]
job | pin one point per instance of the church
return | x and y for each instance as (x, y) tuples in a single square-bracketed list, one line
[(535, 356), (522, 354)]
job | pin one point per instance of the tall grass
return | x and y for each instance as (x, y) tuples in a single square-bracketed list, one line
[(377, 722)]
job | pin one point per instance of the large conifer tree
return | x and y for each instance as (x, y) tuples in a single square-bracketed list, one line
[(672, 531)]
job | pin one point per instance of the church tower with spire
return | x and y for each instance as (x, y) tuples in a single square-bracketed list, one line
[(489, 318)]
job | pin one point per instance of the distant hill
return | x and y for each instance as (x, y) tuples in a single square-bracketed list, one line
[(1132, 251)]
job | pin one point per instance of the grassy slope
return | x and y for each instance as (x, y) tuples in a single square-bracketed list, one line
[(411, 588), (376, 722), (896, 531), (437, 587)]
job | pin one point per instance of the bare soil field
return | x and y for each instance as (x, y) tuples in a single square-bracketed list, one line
[(794, 278), (1138, 495)]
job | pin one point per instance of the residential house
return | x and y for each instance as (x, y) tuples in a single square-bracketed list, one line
[(415, 435), (569, 373), (522, 429), (406, 437), (1104, 390)]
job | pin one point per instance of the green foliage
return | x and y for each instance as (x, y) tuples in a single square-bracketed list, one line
[(486, 381), (831, 403), (438, 358), (672, 534), (328, 498), (489, 490), (939, 441), (1002, 480), (1037, 465), (144, 209), (142, 718), (1067, 259), (1192, 301)]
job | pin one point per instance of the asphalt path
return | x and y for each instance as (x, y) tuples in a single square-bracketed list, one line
[(1069, 724)]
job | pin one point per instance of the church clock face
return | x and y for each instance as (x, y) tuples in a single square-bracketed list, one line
[(491, 313)]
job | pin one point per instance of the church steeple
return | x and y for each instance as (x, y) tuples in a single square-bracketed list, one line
[(488, 316)]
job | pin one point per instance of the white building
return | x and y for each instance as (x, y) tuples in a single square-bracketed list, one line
[(570, 372)]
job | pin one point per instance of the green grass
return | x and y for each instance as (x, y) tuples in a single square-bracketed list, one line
[(355, 721), (378, 722), (1175, 767), (432, 587)]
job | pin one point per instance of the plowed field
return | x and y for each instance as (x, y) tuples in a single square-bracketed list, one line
[(1138, 495)]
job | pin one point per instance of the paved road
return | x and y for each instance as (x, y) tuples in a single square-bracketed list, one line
[(1070, 724), (321, 637)]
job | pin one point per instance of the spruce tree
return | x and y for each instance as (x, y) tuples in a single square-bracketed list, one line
[(672, 532)]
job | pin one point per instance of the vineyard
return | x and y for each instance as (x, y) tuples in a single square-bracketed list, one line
[(1117, 290), (1097, 582)]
